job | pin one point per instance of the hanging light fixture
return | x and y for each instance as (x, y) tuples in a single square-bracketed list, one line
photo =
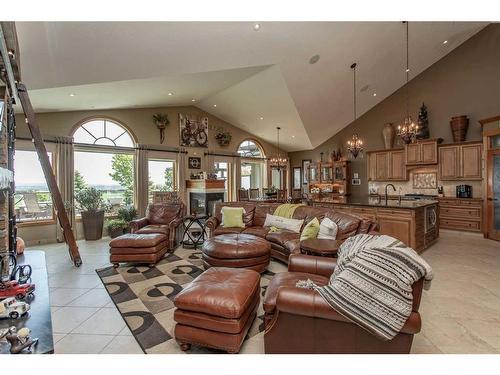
[(408, 130), (278, 161), (355, 144)]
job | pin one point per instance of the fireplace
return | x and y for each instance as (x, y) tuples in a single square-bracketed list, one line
[(204, 203)]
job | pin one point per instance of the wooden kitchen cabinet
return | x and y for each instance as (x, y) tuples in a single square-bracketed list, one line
[(388, 165), (463, 214), (422, 152), (460, 162)]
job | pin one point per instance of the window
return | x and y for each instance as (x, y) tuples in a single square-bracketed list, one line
[(33, 201), (161, 176), (221, 169), (103, 133), (249, 149), (112, 174), (98, 165)]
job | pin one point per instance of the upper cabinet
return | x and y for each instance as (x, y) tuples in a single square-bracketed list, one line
[(460, 162), (388, 165), (314, 176), (326, 172), (422, 152)]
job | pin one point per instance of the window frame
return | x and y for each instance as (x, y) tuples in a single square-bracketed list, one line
[(173, 161)]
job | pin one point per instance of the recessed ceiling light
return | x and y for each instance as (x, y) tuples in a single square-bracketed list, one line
[(256, 26), (170, 93), (407, 70), (193, 100), (262, 118), (374, 94), (314, 59), (293, 136), (215, 105), (71, 94), (445, 42)]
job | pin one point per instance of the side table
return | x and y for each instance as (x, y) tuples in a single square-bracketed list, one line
[(320, 247), (195, 236)]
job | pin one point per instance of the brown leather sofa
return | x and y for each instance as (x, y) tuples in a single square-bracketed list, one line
[(162, 218), (284, 242), (301, 321)]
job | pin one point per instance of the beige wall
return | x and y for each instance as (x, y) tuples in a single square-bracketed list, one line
[(465, 82), (139, 121)]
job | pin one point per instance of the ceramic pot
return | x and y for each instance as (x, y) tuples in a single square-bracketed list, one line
[(93, 223), (389, 134)]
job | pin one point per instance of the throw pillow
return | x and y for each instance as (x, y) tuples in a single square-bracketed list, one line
[(293, 225), (311, 230), (232, 217), (328, 229)]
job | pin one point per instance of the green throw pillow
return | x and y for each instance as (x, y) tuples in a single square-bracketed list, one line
[(232, 217), (311, 230)]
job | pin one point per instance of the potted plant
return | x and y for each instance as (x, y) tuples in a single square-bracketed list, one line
[(92, 206), (116, 227), (127, 214), (223, 137), (161, 121)]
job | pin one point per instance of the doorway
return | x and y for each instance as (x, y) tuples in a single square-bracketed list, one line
[(492, 209)]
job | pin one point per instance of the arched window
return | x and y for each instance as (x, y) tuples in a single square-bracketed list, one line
[(250, 149), (103, 132)]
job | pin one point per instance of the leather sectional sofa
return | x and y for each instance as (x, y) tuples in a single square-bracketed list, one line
[(284, 242)]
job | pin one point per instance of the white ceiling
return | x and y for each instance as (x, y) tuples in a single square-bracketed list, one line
[(248, 74)]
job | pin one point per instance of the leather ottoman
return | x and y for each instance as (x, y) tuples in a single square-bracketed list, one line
[(237, 251), (138, 248), (217, 309)]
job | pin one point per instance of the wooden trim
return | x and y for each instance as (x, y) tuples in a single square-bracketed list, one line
[(35, 223), (488, 120), (254, 140)]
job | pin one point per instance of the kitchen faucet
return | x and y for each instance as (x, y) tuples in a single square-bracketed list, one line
[(386, 197)]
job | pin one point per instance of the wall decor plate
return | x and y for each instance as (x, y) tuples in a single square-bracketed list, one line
[(193, 131), (194, 162), (427, 180)]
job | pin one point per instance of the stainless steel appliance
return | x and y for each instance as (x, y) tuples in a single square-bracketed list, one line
[(464, 191)]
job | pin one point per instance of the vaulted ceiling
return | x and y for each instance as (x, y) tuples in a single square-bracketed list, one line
[(256, 80)]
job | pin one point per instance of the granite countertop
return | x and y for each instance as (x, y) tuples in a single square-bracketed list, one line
[(374, 202)]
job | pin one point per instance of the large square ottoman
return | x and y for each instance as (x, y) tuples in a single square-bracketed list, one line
[(217, 309), (138, 248)]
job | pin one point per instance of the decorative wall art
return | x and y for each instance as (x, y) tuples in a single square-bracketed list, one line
[(305, 169), (297, 178), (194, 162), (427, 180), (161, 121), (193, 131)]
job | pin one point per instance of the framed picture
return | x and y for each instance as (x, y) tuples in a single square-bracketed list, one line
[(297, 177), (193, 131), (305, 171), (194, 162), (356, 181), (427, 180)]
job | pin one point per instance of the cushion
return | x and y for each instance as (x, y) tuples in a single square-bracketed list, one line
[(232, 217), (282, 236), (221, 230), (163, 213), (257, 231), (310, 230), (137, 240), (293, 225), (328, 230), (154, 228)]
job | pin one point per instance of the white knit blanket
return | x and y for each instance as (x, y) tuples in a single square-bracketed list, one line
[(372, 283)]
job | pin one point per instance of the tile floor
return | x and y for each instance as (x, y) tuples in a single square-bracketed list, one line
[(460, 313)]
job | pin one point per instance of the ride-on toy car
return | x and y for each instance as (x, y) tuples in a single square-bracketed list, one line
[(14, 289), (12, 308)]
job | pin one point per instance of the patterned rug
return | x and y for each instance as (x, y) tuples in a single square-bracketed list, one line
[(144, 296)]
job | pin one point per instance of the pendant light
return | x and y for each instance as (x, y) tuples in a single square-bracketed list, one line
[(278, 162), (355, 144), (408, 130)]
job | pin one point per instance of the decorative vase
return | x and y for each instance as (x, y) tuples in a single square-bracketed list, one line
[(389, 134), (459, 126)]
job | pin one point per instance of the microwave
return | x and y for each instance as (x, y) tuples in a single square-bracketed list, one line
[(464, 191)]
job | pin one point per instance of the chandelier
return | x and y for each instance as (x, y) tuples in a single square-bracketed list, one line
[(408, 130), (278, 161), (355, 144)]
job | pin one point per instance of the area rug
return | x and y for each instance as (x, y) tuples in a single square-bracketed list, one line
[(144, 297)]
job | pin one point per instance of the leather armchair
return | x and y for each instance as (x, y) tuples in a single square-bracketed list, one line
[(163, 218), (301, 321)]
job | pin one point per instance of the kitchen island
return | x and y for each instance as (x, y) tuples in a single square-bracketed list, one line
[(415, 222)]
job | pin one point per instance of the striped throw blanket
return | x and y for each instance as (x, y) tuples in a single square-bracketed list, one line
[(372, 283)]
